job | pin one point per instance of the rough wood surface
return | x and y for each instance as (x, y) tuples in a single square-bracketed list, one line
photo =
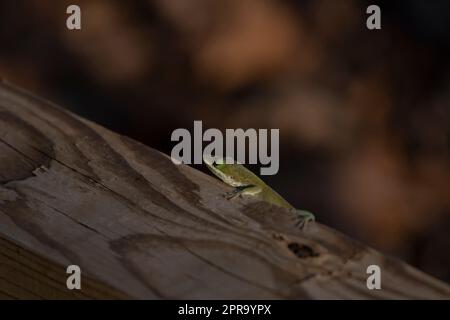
[(72, 192)]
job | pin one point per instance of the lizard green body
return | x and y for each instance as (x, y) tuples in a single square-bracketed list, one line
[(247, 183)]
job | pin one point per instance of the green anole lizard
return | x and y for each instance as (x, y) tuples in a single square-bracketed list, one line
[(247, 183)]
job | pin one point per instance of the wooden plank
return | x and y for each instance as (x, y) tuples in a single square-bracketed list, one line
[(72, 192), (25, 275)]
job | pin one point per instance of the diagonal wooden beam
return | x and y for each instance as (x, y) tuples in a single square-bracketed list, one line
[(73, 192)]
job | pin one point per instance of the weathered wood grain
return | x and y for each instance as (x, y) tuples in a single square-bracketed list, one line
[(25, 275), (72, 192)]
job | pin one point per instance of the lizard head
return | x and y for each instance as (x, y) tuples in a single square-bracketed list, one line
[(223, 168)]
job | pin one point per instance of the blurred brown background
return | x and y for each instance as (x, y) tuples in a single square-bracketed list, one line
[(364, 116)]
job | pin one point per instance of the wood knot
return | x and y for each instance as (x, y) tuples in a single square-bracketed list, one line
[(302, 251)]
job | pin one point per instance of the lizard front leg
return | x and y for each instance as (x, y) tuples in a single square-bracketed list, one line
[(242, 190)]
